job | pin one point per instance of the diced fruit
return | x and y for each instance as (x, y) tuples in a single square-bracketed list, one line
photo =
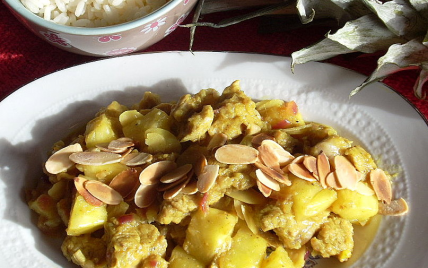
[(280, 114), (85, 218), (209, 233), (278, 259), (247, 250), (161, 141), (302, 193), (180, 259), (320, 202), (354, 206), (104, 173), (101, 129)]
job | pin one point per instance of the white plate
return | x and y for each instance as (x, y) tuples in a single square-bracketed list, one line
[(45, 110)]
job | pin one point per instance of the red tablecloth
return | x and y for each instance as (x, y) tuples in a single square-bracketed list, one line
[(24, 57)]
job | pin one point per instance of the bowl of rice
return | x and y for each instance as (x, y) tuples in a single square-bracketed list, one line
[(101, 27)]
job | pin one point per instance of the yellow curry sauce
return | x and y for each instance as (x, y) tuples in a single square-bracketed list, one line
[(211, 180)]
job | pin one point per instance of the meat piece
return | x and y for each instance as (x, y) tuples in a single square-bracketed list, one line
[(131, 242), (85, 251), (335, 238)]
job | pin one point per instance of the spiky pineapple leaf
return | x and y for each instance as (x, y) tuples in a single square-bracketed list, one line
[(399, 17), (411, 55)]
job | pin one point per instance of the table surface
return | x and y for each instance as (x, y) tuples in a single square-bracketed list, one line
[(25, 57)]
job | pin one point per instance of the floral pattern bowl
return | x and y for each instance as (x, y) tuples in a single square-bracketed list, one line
[(107, 41)]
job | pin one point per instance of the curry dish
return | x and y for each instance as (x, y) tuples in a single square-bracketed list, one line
[(211, 180)]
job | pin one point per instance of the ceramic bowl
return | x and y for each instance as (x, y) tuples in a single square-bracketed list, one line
[(107, 41)]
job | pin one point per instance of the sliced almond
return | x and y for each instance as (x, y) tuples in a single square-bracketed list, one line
[(381, 185), (173, 192), (166, 186), (125, 181), (136, 159), (283, 156), (249, 196), (323, 168), (145, 195), (217, 140), (238, 208), (252, 129), (191, 187), (103, 192), (266, 191), (331, 181), (207, 178), (259, 138), (364, 189), (267, 180), (78, 183), (95, 158), (60, 161), (278, 176), (345, 172), (268, 157), (152, 173), (236, 154), (300, 171), (397, 207), (121, 144), (200, 165), (176, 174), (310, 162)]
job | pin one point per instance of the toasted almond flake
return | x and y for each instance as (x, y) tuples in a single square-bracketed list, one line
[(268, 157), (125, 181), (266, 191), (364, 189), (267, 180), (323, 168), (95, 158), (381, 185), (238, 208), (191, 187), (345, 172), (79, 184), (60, 161), (153, 172), (236, 154), (259, 138), (200, 164), (300, 171), (145, 195), (103, 192), (397, 207), (166, 186), (136, 159), (252, 129), (176, 174), (217, 140), (310, 162), (297, 160), (207, 178), (121, 144), (249, 196), (331, 181), (283, 156), (248, 213), (174, 191), (278, 176)]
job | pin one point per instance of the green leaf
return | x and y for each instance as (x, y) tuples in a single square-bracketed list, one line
[(399, 17), (366, 34), (411, 55)]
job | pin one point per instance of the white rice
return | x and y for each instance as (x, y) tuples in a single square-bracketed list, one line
[(92, 13)]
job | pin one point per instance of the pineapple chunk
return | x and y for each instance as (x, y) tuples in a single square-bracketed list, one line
[(101, 129), (247, 250), (180, 259), (161, 141), (277, 259), (85, 218), (209, 234), (354, 206), (302, 193), (280, 114), (103, 173), (320, 202)]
